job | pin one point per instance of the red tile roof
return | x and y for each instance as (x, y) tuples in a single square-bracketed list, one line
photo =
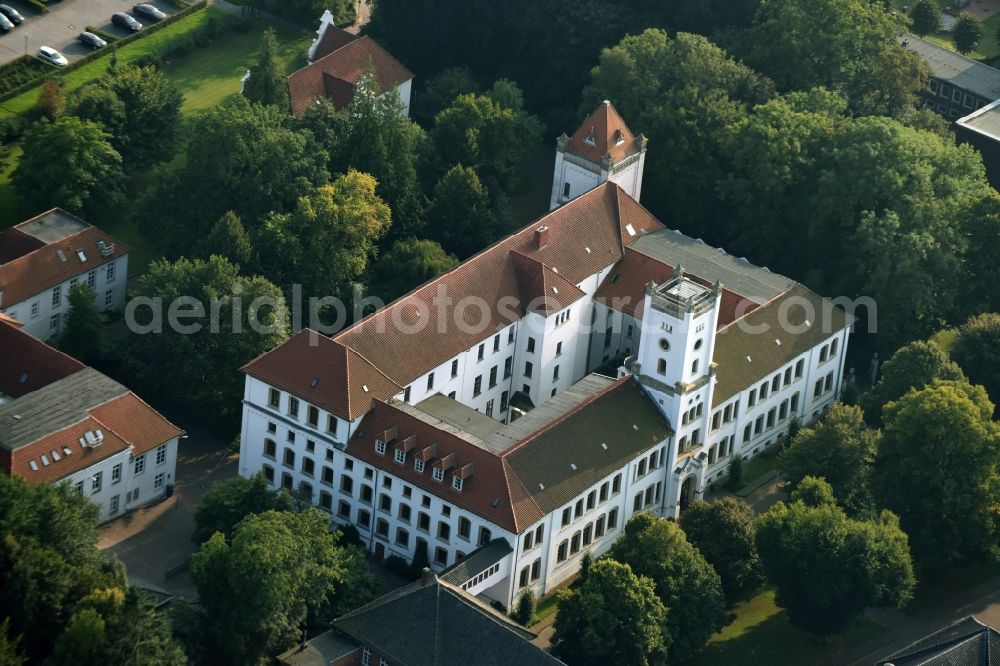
[(625, 287), (135, 422), (345, 382), (42, 268), (333, 38), (14, 243), (401, 342), (27, 363), (602, 133), (493, 491), (79, 458), (542, 290), (337, 73)]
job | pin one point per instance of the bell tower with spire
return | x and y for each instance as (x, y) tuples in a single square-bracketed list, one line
[(603, 148)]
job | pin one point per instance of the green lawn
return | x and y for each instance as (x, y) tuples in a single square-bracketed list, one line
[(760, 634), (209, 75), (757, 468)]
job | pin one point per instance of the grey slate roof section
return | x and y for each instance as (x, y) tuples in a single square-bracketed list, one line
[(968, 642), (550, 410), (955, 68), (575, 453), (476, 562), (714, 264), (985, 121), (53, 226), (432, 623), (54, 407), (319, 651), (459, 416)]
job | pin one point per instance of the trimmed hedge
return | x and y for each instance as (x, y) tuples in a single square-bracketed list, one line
[(106, 36), (99, 53), (25, 69), (37, 5), (179, 4)]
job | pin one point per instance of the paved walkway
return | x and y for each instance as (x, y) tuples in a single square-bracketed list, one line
[(155, 539)]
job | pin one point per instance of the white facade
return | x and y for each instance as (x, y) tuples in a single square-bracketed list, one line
[(123, 481), (573, 175), (43, 313)]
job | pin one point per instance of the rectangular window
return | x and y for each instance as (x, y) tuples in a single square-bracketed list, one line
[(274, 398), (482, 352), (53, 322), (752, 398), (400, 456), (562, 552), (567, 516), (312, 416), (326, 501), (555, 374), (485, 536), (116, 473), (489, 408), (616, 484), (503, 401), (496, 342), (92, 280), (158, 481), (382, 527), (604, 492), (95, 482), (344, 509), (531, 345), (405, 512), (34, 309), (798, 368), (430, 381), (139, 465), (293, 407), (327, 476), (418, 465), (464, 528), (110, 276), (346, 485), (493, 376), (438, 474), (161, 454), (406, 394), (268, 473), (113, 507), (454, 368), (402, 537), (109, 296), (528, 367), (57, 296), (559, 349), (477, 386), (289, 459)]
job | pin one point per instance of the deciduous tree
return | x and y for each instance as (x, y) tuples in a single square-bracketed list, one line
[(725, 532), (406, 266), (966, 32), (460, 217), (925, 17), (228, 502), (828, 568), (976, 349), (912, 366), (70, 163), (82, 335), (938, 468), (685, 582), (612, 617)]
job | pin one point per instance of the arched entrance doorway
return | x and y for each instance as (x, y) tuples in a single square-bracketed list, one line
[(687, 492)]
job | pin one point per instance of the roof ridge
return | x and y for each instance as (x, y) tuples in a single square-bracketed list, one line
[(129, 392), (509, 472), (763, 305), (483, 609), (614, 385)]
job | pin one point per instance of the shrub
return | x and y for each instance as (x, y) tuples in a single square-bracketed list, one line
[(22, 70), (524, 608), (38, 6), (735, 473), (106, 36), (397, 565)]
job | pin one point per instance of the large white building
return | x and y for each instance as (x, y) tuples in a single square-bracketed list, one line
[(62, 422), (467, 418), (40, 260)]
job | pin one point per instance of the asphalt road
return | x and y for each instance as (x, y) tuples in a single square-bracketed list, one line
[(60, 27)]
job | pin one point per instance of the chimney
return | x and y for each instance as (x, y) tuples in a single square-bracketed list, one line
[(427, 577), (541, 237)]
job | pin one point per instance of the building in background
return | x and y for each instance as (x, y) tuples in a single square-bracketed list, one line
[(40, 260), (63, 422), (958, 85)]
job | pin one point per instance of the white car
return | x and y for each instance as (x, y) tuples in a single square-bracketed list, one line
[(50, 55)]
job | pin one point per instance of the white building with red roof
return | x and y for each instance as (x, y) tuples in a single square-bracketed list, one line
[(602, 149), (516, 411), (62, 422), (41, 258)]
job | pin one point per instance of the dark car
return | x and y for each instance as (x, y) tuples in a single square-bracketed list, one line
[(149, 11), (11, 14), (126, 22), (91, 40), (5, 24)]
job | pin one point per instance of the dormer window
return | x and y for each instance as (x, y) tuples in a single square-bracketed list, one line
[(619, 137), (418, 465), (438, 474), (590, 138), (400, 456), (456, 483), (379, 447)]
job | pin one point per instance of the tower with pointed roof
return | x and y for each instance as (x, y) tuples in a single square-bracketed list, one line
[(603, 148)]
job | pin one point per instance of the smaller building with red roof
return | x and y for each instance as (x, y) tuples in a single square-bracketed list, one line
[(41, 258), (63, 422), (601, 149), (337, 62)]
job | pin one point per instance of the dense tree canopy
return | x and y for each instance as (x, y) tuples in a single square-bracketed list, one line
[(83, 329), (70, 163), (938, 468), (407, 265), (828, 568), (912, 366), (54, 581), (229, 238), (278, 572), (266, 84), (228, 502), (725, 532), (966, 32), (212, 351), (976, 349), (613, 616), (841, 450), (328, 240), (685, 582), (925, 17), (460, 217), (246, 159)]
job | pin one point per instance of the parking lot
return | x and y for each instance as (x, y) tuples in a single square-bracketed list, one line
[(65, 20)]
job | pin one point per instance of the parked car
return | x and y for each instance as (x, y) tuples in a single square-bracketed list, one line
[(49, 54), (11, 14), (126, 22), (91, 40), (149, 11), (5, 24)]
